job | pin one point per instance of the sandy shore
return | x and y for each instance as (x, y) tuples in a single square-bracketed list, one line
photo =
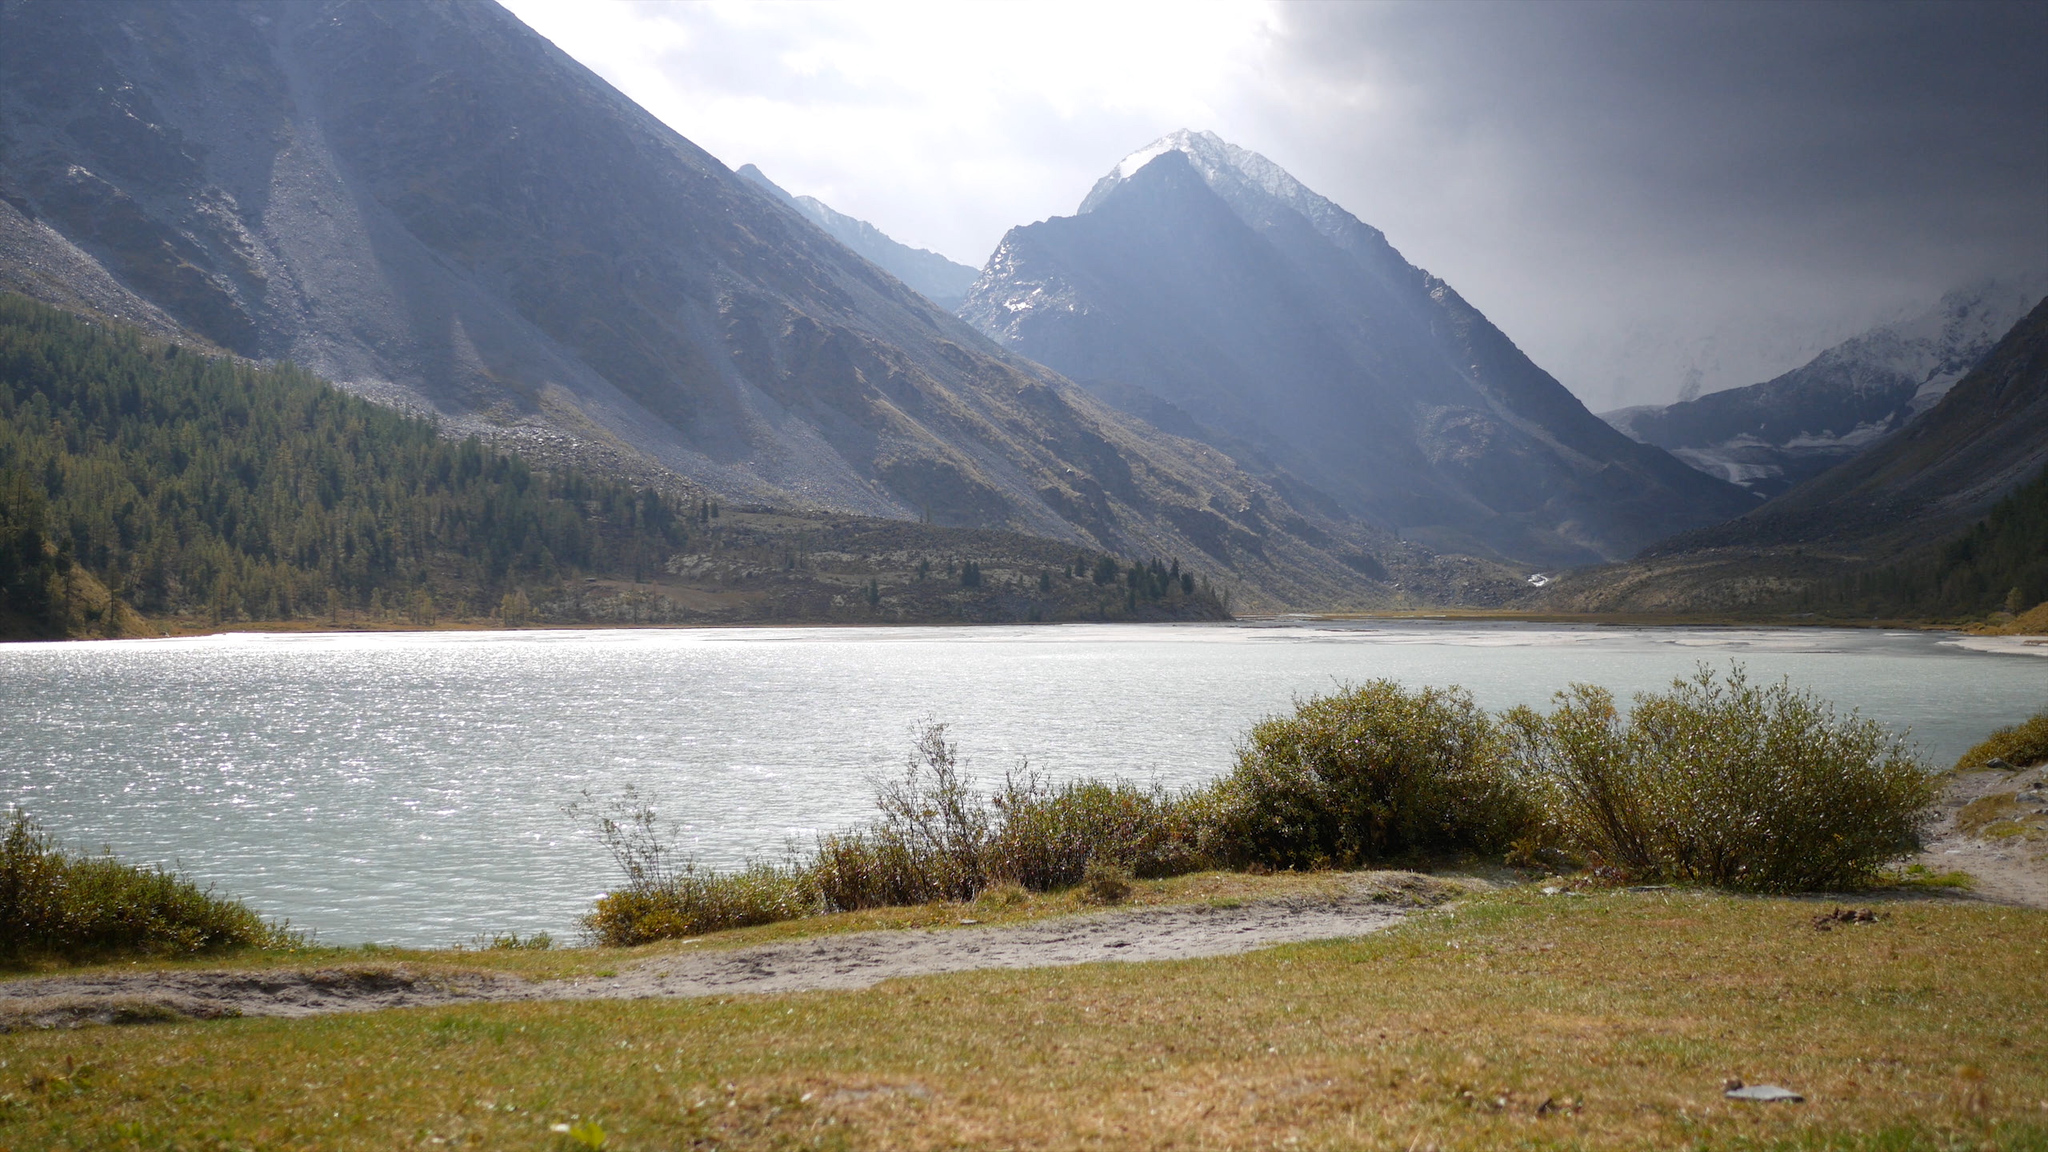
[(850, 961)]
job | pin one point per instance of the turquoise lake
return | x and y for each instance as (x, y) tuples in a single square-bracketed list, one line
[(408, 788)]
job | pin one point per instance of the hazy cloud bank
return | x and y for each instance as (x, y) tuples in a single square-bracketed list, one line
[(1635, 193)]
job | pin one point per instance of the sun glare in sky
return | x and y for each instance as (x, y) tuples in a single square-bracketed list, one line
[(944, 123)]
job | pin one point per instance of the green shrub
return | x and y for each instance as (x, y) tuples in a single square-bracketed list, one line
[(1721, 782), (693, 901), (936, 839), (931, 842), (2022, 745), (1049, 836), (1370, 773), (507, 942), (62, 907), (667, 896)]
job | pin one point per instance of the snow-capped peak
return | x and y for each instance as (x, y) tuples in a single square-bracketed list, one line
[(1129, 165), (1251, 184)]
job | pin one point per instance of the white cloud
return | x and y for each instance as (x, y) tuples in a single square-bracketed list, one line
[(942, 123)]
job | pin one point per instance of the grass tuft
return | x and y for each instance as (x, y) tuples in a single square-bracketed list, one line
[(2021, 745), (55, 906), (1106, 884)]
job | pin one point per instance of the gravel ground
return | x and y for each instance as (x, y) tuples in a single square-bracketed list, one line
[(2009, 869)]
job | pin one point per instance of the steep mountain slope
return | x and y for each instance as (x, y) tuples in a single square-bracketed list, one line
[(1980, 441), (205, 490), (940, 280), (1769, 437), (2000, 563), (1204, 289), (203, 486), (437, 209), (1929, 482)]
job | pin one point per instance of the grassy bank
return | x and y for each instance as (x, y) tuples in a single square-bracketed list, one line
[(996, 910), (1719, 781), (1514, 1019), (58, 907)]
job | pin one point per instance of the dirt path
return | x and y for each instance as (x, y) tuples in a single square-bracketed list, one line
[(850, 961), (2011, 868)]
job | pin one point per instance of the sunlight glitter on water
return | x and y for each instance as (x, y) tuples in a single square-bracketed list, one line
[(407, 787)]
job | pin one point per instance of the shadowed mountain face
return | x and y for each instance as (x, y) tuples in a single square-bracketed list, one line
[(1918, 488), (1204, 289), (1981, 440), (940, 280), (434, 207), (1769, 437)]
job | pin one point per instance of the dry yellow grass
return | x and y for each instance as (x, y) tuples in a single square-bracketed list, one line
[(2032, 622), (1511, 1020)]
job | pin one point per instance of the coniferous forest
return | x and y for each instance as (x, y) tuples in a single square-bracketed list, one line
[(2000, 563), (190, 485), (139, 479)]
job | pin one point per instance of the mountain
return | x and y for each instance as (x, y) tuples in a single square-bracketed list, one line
[(202, 486), (436, 208), (1204, 289), (1892, 526), (1769, 437), (2000, 563), (940, 280), (1981, 440), (205, 490)]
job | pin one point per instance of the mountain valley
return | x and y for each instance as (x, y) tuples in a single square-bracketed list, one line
[(1864, 533), (1770, 437), (1208, 365), (436, 209), (1204, 289)]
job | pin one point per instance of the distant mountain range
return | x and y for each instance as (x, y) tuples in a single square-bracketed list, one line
[(1205, 290), (1985, 437), (436, 208), (1901, 524), (940, 280), (1769, 437)]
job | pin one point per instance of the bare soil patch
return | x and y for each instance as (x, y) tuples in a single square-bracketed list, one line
[(842, 962), (1994, 826)]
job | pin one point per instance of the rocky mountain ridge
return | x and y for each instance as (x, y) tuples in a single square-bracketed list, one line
[(434, 207), (1914, 490), (1205, 290), (940, 280)]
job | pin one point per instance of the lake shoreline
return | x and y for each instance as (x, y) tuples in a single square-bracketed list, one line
[(1403, 616)]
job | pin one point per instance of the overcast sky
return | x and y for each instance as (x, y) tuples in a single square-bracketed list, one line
[(1631, 191)]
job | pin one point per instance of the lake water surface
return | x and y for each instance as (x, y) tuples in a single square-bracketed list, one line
[(407, 787)]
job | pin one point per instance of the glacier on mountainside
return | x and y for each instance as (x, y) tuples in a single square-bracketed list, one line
[(1769, 437)]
